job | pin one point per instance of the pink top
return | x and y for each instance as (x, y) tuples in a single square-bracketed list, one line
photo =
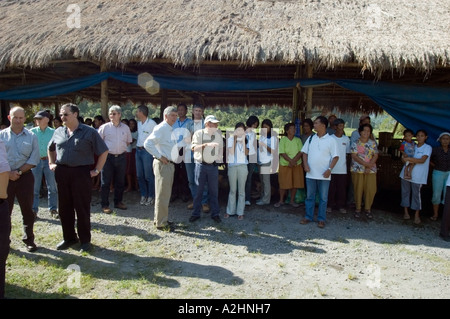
[(116, 138)]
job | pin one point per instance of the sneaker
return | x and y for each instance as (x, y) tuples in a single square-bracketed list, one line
[(190, 206), (205, 208), (150, 201), (260, 203), (247, 203), (143, 200), (54, 213)]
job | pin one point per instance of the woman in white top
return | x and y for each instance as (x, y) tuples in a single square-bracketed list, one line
[(237, 151), (419, 175)]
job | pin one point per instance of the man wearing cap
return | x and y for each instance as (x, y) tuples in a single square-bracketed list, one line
[(44, 134), (23, 154), (207, 145), (117, 137), (162, 145)]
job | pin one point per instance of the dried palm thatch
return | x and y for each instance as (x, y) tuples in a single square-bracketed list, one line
[(377, 35)]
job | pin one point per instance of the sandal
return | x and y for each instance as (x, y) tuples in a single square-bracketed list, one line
[(321, 224), (295, 205), (278, 204), (226, 216), (406, 217), (357, 214), (304, 221), (417, 221), (433, 218), (368, 214), (241, 217)]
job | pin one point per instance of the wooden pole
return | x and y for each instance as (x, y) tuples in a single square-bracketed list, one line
[(309, 92), (296, 95), (163, 103), (104, 93)]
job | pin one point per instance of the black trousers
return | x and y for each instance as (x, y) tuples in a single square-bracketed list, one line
[(180, 186), (115, 170), (445, 223), (74, 198), (23, 190), (5, 231)]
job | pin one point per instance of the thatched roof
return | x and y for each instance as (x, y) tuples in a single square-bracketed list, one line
[(379, 34), (372, 35)]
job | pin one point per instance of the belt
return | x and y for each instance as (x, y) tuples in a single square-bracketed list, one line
[(44, 158), (140, 147), (116, 155), (161, 161), (210, 164)]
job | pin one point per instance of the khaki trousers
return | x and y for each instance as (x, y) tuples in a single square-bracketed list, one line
[(163, 190), (364, 185)]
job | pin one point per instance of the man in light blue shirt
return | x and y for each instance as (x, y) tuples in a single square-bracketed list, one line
[(23, 154), (44, 134)]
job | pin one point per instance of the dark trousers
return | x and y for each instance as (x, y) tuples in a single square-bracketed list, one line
[(207, 175), (113, 170), (180, 186), (74, 197), (23, 190), (445, 223), (337, 194), (5, 231)]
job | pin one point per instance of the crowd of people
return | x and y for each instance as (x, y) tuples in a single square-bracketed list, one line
[(180, 157)]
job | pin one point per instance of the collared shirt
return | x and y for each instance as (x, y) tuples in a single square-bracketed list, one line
[(321, 151), (208, 154), (116, 138), (144, 130), (22, 148), (4, 165), (440, 159), (182, 127), (162, 142), (79, 148), (44, 138)]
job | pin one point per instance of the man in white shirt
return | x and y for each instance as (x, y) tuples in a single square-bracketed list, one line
[(320, 155), (144, 161), (162, 145), (337, 193)]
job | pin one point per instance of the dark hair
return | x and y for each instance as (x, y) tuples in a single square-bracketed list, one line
[(144, 109), (361, 127), (408, 131), (126, 121), (73, 108), (252, 120), (182, 104), (240, 124), (322, 119), (269, 124), (157, 120), (423, 131), (310, 122), (135, 127), (287, 126)]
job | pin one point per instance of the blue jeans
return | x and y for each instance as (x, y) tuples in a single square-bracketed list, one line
[(42, 168), (114, 171), (207, 175), (144, 172), (193, 183), (313, 186)]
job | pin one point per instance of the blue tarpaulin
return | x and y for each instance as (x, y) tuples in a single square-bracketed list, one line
[(415, 107)]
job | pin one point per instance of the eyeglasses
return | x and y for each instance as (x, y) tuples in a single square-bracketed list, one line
[(113, 113), (64, 114)]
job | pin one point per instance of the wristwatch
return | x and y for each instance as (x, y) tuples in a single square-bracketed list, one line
[(97, 171), (19, 171)]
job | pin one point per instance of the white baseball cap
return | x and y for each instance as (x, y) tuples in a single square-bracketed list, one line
[(212, 119), (442, 134)]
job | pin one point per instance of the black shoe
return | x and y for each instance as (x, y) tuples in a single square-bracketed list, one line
[(85, 247), (194, 218), (66, 244), (31, 247), (216, 219), (169, 228)]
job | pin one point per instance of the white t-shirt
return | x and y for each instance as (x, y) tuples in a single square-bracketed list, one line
[(263, 154), (239, 157), (419, 174), (343, 146), (321, 152)]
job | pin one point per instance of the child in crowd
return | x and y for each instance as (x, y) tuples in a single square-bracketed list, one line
[(407, 148)]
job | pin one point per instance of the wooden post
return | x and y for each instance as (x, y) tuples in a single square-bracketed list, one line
[(104, 93), (309, 92), (296, 95), (163, 103), (4, 112)]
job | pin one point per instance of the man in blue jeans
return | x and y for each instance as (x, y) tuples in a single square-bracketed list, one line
[(320, 155), (144, 161), (207, 145), (44, 134)]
